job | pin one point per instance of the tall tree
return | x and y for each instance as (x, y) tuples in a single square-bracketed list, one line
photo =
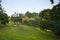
[(3, 15)]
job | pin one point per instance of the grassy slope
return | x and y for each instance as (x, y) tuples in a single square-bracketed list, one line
[(23, 32)]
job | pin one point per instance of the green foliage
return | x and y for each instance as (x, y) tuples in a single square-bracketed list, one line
[(33, 22), (44, 17), (20, 17), (45, 14), (36, 22), (34, 14), (55, 17), (3, 16), (28, 14), (16, 18), (52, 21)]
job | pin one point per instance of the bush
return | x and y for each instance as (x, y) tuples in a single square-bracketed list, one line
[(35, 22)]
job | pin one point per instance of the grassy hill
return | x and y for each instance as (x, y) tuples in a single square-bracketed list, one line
[(24, 32)]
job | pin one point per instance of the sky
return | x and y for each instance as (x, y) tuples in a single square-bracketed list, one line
[(22, 6)]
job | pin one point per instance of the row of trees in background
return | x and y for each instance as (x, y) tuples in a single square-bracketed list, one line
[(24, 18), (46, 19)]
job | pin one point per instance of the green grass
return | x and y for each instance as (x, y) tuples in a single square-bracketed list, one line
[(24, 32)]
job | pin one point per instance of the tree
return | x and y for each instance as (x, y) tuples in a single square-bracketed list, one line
[(34, 14), (44, 14), (44, 17), (51, 1), (55, 19), (3, 15), (1, 10), (4, 18), (52, 21), (28, 14), (15, 17), (20, 17)]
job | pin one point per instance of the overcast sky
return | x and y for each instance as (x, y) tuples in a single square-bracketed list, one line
[(21, 6)]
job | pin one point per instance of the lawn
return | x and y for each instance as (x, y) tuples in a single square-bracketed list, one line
[(24, 32)]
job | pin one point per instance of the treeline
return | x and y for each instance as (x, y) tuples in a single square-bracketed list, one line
[(48, 19), (28, 18)]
